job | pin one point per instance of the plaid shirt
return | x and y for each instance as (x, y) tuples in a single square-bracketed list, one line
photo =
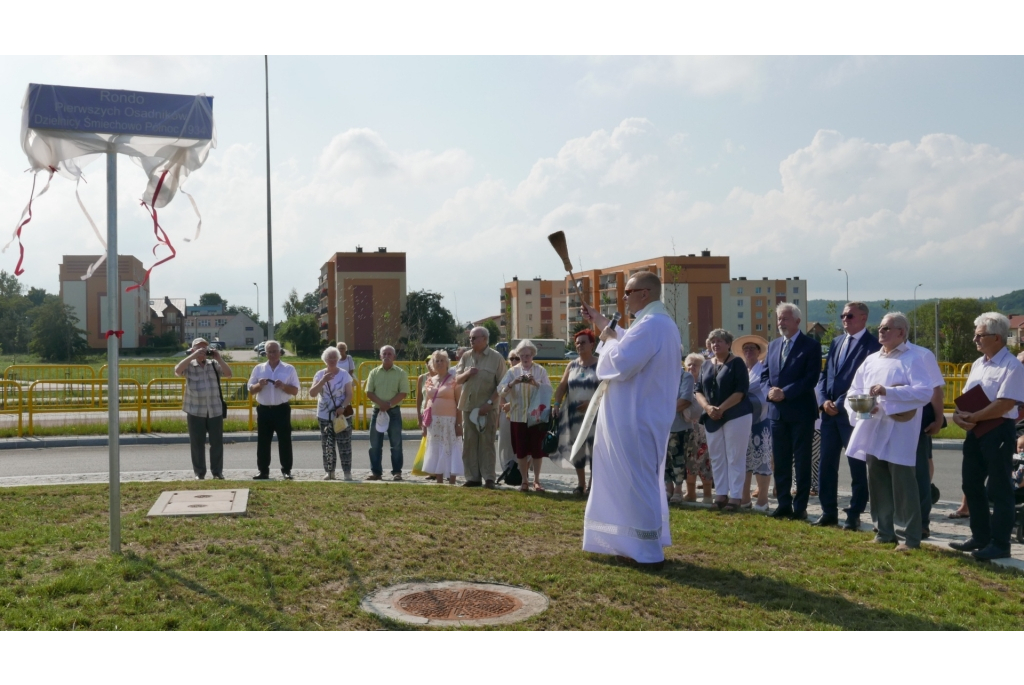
[(202, 394)]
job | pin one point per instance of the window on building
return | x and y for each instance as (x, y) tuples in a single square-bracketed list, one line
[(769, 289), (760, 315), (760, 303), (757, 327), (172, 318), (797, 303), (739, 315), (248, 328), (529, 317), (796, 289), (204, 323), (529, 305), (739, 291), (221, 322), (769, 327), (250, 341), (739, 303), (529, 330), (529, 291), (757, 290)]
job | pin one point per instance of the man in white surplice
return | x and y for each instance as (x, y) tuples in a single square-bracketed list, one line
[(627, 513)]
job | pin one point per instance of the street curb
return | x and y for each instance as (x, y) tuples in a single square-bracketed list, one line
[(160, 439)]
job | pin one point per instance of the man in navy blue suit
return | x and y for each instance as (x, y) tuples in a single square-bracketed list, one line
[(846, 353), (793, 367)]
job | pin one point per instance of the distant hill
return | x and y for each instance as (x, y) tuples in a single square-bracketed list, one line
[(1011, 303)]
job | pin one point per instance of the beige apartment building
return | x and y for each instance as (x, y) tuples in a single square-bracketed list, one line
[(362, 297), (88, 298), (698, 292), (534, 309)]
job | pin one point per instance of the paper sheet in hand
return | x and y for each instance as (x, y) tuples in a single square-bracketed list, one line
[(974, 400)]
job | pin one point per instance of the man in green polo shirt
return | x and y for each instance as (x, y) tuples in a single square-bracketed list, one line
[(386, 387)]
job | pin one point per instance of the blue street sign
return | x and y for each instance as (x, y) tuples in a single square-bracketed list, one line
[(126, 112)]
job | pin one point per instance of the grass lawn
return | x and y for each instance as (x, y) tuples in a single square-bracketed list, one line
[(308, 552)]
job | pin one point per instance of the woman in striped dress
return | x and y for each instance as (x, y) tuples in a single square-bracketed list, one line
[(579, 383)]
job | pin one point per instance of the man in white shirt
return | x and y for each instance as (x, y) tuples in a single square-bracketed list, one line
[(273, 383), (899, 378), (990, 455)]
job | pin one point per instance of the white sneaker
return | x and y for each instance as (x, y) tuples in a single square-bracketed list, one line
[(329, 475), (348, 475), (763, 509)]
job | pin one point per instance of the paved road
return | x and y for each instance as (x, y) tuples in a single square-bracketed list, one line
[(307, 455), (78, 460)]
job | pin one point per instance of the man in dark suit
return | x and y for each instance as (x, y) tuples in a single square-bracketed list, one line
[(793, 367), (845, 355)]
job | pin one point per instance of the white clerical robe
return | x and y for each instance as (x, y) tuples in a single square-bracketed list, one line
[(908, 385), (627, 512)]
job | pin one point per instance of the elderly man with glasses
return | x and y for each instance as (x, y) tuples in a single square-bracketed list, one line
[(900, 380), (274, 383), (988, 448), (845, 355), (479, 372)]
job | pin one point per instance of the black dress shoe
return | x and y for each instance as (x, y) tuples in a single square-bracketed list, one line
[(991, 552), (261, 476), (852, 523), (968, 545), (471, 484), (827, 520), (782, 513), (799, 515)]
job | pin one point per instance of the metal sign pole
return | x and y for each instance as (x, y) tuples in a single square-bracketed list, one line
[(270, 241), (113, 341)]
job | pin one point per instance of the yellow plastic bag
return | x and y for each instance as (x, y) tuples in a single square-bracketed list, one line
[(417, 465)]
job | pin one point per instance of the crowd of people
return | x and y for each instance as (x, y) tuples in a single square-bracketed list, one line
[(741, 416)]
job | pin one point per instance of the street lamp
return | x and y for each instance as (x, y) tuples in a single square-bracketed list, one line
[(915, 311), (257, 301), (847, 284)]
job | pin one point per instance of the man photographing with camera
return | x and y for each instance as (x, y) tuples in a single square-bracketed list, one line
[(203, 405)]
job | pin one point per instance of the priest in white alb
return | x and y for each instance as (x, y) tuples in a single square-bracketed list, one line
[(901, 381), (627, 512)]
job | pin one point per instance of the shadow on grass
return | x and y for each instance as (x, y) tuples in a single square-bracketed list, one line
[(776, 595), (161, 573)]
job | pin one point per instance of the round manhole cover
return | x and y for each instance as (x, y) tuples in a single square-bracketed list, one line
[(455, 603)]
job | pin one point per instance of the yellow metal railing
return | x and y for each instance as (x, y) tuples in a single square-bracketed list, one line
[(12, 401), (79, 396)]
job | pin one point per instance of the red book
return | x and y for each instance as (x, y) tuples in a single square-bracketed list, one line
[(974, 400)]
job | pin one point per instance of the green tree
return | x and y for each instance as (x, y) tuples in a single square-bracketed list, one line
[(493, 329), (831, 329), (294, 306), (207, 299), (956, 328), (55, 333), (303, 333), (427, 320)]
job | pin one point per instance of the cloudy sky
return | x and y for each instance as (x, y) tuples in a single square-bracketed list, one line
[(900, 170)]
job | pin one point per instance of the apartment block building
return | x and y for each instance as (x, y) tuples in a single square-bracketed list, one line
[(534, 309), (362, 297), (749, 306), (88, 298), (698, 292)]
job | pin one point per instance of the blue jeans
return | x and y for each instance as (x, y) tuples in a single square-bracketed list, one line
[(377, 442)]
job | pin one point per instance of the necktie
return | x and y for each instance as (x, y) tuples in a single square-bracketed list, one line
[(843, 350), (785, 350)]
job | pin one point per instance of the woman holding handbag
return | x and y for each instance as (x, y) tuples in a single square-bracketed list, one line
[(442, 421), (333, 387), (519, 387)]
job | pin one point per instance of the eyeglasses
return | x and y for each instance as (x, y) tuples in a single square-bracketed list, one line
[(846, 316), (886, 329), (633, 290), (979, 336)]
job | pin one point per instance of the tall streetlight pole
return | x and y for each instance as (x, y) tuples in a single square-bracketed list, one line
[(847, 284), (257, 301), (915, 311), (270, 241)]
